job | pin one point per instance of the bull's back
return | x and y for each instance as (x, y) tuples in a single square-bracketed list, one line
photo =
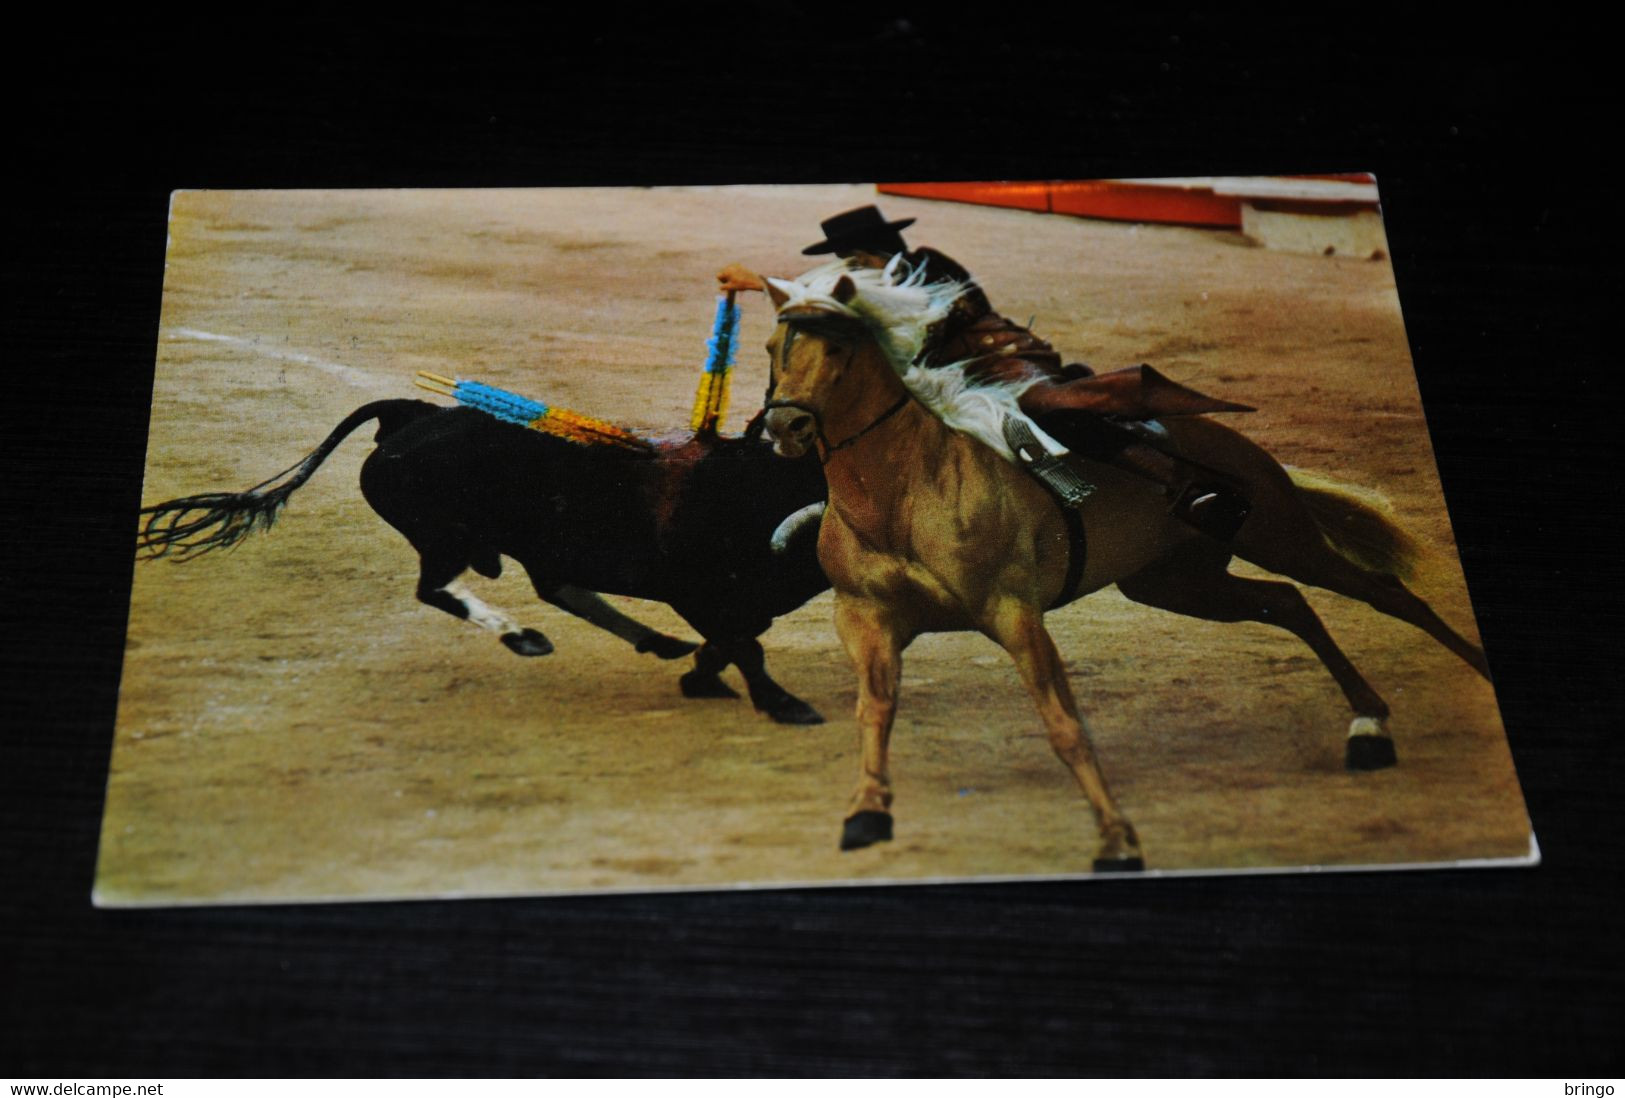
[(568, 512)]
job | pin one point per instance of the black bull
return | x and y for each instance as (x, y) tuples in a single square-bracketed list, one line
[(688, 524)]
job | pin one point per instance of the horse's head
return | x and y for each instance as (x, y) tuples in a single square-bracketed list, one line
[(848, 334), (809, 355)]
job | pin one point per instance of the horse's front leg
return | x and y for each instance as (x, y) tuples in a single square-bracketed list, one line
[(874, 640), (1019, 629)]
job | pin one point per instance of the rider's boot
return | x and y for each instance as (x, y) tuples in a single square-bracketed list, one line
[(1197, 496)]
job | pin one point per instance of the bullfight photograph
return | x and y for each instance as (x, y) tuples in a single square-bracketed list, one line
[(544, 541)]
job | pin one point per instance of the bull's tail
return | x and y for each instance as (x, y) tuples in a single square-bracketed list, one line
[(192, 525), (1356, 523)]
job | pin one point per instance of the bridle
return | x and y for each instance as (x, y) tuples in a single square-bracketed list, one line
[(827, 449)]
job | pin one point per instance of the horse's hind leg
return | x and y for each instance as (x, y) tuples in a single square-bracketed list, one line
[(1389, 595), (1196, 584), (591, 607), (765, 694), (1306, 557), (438, 587), (1019, 630)]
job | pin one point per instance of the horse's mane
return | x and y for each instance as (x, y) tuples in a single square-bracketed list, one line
[(899, 306)]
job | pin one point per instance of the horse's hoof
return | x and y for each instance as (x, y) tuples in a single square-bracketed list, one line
[(793, 711), (1370, 753), (1135, 864), (527, 642), (1369, 745), (696, 685), (666, 648), (865, 829)]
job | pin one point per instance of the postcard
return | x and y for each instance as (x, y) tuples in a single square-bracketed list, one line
[(531, 542)]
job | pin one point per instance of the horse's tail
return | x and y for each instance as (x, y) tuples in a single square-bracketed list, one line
[(1356, 523), (219, 520)]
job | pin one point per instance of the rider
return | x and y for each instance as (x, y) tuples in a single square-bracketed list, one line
[(1099, 417)]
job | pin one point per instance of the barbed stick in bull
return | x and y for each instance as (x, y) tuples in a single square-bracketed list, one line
[(513, 408), (711, 400)]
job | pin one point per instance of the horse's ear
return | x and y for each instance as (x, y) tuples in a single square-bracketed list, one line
[(773, 291), (844, 290)]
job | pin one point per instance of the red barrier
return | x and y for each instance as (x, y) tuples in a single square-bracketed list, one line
[(1173, 202)]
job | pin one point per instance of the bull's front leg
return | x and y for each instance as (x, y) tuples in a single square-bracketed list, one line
[(874, 641), (591, 607), (765, 694), (704, 680)]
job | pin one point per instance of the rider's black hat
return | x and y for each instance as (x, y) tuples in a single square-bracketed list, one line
[(861, 230)]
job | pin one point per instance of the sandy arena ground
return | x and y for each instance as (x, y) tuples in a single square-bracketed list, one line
[(293, 724)]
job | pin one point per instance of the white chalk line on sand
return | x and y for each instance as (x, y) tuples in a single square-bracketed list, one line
[(347, 374)]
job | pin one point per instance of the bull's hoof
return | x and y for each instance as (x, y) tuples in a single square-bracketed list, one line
[(666, 648), (527, 642), (865, 829), (792, 710), (1135, 864), (1370, 753), (697, 685)]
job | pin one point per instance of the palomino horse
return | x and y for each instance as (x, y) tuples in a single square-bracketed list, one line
[(930, 528)]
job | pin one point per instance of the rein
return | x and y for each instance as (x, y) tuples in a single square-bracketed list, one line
[(829, 450), (818, 422)]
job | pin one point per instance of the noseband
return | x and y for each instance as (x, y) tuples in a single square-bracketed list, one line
[(829, 449)]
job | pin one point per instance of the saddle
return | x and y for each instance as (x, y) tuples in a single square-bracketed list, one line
[(993, 349), (1104, 417)]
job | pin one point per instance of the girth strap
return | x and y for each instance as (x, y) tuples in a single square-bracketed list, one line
[(1068, 488), (1077, 556)]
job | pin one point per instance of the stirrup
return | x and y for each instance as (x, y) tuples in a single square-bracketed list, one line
[(1054, 473), (1215, 509)]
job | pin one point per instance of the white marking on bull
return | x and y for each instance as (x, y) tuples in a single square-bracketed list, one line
[(482, 615)]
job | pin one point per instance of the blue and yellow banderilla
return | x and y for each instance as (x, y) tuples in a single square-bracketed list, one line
[(513, 408), (711, 400)]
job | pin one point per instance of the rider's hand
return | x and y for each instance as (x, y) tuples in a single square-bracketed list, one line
[(736, 276)]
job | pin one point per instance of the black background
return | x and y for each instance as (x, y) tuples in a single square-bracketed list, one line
[(1491, 142)]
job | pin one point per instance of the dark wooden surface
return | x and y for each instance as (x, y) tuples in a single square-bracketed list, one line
[(1490, 146)]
